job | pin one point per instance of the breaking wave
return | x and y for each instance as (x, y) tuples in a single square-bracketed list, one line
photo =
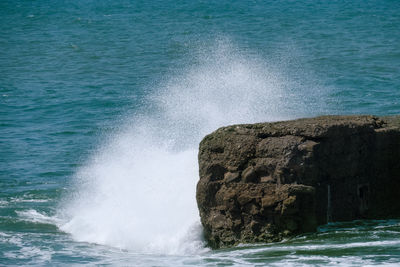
[(137, 191)]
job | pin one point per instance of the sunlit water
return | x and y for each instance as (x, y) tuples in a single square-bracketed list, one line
[(103, 104)]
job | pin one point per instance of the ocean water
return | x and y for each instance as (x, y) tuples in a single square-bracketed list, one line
[(103, 104)]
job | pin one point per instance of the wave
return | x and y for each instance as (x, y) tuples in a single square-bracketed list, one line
[(137, 191)]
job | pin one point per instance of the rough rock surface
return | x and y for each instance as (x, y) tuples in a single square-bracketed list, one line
[(263, 182)]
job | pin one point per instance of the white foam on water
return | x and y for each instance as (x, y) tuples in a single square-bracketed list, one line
[(34, 216), (3, 203), (10, 239), (137, 192), (274, 247), (33, 200), (25, 246), (34, 255)]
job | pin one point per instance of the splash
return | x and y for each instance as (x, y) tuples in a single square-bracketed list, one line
[(138, 191)]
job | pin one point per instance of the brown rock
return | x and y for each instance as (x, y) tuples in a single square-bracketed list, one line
[(249, 175), (266, 181), (231, 177)]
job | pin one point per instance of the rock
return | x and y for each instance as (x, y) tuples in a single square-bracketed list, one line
[(267, 181)]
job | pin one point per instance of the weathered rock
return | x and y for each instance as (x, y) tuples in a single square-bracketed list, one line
[(263, 182)]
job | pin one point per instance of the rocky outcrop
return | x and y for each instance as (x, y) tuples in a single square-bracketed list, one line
[(263, 182)]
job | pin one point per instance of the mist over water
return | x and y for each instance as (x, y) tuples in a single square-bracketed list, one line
[(137, 191)]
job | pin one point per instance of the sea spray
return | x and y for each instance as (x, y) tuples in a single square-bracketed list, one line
[(137, 192)]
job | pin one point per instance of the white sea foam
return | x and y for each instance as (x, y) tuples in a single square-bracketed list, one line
[(17, 200), (35, 254), (137, 191), (274, 247), (10, 239), (34, 216)]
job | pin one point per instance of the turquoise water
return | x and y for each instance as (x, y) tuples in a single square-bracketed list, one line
[(103, 103)]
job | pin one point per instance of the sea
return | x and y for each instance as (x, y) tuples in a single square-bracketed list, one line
[(103, 105)]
